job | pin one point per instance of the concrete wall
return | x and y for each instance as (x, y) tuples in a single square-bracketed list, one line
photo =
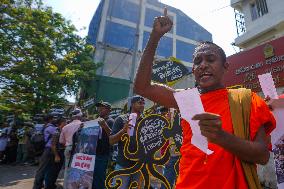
[(117, 61), (263, 29), (118, 28)]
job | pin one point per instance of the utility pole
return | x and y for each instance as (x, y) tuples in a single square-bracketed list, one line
[(134, 56)]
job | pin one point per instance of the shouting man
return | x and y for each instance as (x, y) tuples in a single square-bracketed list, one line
[(222, 169)]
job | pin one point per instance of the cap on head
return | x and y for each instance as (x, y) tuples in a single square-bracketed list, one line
[(77, 113), (137, 98), (103, 104)]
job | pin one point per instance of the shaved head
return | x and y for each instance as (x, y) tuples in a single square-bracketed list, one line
[(208, 47)]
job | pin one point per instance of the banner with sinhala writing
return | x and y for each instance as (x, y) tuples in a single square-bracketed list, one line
[(80, 173), (168, 71)]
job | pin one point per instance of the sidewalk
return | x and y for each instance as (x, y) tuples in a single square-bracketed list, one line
[(19, 177)]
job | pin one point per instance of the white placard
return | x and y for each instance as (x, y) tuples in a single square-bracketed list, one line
[(190, 104), (83, 162), (132, 123), (267, 85)]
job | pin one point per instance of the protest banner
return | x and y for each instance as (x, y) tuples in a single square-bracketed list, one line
[(89, 102), (149, 140), (277, 139), (277, 136), (168, 71), (175, 131), (80, 173)]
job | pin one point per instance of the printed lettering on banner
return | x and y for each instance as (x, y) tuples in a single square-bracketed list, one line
[(83, 162)]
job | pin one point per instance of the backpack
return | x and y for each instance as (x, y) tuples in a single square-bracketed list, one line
[(37, 138)]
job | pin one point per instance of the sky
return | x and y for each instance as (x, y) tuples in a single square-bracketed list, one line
[(216, 16)]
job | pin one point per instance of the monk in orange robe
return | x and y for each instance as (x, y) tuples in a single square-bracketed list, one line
[(222, 169)]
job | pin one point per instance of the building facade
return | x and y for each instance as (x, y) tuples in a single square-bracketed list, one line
[(120, 29), (245, 66), (258, 21), (260, 26)]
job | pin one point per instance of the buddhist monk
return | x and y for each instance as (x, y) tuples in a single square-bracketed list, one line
[(222, 169)]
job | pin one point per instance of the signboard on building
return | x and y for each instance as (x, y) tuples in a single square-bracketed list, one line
[(245, 66)]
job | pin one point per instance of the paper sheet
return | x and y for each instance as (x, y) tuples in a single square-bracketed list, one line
[(267, 85), (132, 122), (190, 104)]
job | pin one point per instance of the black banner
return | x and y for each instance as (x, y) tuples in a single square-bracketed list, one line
[(150, 134), (175, 131), (149, 140), (168, 71)]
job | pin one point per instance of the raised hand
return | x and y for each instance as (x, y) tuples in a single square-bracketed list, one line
[(162, 24), (102, 122), (126, 126)]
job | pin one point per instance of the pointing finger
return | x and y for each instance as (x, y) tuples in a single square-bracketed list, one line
[(165, 11)]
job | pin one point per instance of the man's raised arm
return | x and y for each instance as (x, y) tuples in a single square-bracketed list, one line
[(161, 94)]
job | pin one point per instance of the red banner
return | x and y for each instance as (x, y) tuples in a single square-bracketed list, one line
[(247, 65)]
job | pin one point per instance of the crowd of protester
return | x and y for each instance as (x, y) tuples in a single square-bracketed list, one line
[(48, 142)]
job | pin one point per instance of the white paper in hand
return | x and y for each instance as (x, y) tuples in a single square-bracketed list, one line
[(190, 104), (267, 85), (132, 123)]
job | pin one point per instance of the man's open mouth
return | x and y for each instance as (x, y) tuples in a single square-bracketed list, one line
[(205, 75)]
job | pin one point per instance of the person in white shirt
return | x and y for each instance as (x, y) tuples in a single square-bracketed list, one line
[(66, 137)]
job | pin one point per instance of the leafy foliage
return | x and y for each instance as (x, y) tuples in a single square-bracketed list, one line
[(42, 59)]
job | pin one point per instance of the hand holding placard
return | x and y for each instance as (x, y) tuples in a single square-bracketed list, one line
[(268, 86), (190, 104)]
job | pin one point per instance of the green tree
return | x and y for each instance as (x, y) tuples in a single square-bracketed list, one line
[(42, 59)]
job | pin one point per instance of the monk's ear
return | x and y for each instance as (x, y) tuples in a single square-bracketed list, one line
[(226, 66)]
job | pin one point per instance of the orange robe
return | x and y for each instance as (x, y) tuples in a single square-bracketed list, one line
[(220, 170)]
